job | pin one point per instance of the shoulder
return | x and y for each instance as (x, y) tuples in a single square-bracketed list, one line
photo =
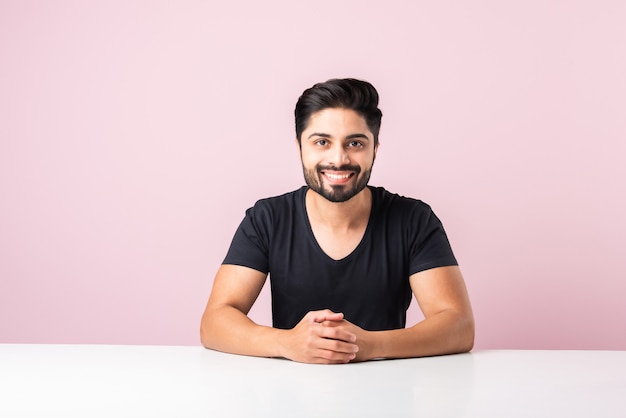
[(270, 208), (409, 214), (281, 202), (387, 201)]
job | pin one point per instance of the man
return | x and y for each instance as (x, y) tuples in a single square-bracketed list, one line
[(343, 257)]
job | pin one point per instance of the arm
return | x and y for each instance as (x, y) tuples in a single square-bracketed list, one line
[(447, 328), (225, 325)]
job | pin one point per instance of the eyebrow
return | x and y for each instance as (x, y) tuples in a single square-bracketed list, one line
[(351, 136)]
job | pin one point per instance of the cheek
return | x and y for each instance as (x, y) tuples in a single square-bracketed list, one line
[(309, 166), (367, 160), (309, 160)]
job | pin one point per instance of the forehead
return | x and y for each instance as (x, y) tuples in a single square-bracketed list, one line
[(337, 119)]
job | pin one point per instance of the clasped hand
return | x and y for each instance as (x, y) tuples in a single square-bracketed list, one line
[(324, 337)]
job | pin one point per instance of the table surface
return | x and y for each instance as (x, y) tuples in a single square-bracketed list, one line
[(170, 381)]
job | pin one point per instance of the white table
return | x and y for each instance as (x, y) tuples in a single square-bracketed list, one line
[(160, 381)]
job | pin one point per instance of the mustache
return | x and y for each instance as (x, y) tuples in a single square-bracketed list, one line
[(354, 168)]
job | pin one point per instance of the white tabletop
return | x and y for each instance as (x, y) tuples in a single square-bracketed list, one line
[(160, 381)]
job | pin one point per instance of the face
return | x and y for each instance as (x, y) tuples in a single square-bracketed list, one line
[(338, 152)]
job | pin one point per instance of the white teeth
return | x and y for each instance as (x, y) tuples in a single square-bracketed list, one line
[(337, 176)]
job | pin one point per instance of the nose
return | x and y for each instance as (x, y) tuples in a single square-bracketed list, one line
[(338, 156)]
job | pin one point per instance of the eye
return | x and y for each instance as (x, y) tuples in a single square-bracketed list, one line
[(321, 142), (355, 144)]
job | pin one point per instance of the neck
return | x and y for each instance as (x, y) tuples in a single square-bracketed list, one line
[(349, 214)]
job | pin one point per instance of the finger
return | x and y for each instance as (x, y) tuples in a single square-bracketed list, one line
[(325, 315), (333, 351), (332, 331), (331, 357), (337, 331), (330, 351), (338, 350)]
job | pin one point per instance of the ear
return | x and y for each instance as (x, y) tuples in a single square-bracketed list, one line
[(375, 151)]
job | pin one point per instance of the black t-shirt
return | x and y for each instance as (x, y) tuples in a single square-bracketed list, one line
[(370, 286)]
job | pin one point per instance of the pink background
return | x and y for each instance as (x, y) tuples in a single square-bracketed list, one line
[(134, 134)]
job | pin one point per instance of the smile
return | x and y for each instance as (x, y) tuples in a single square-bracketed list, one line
[(338, 176)]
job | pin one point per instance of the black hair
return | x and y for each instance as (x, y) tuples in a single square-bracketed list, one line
[(347, 93)]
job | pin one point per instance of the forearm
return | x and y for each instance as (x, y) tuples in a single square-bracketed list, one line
[(447, 332), (448, 326), (227, 329)]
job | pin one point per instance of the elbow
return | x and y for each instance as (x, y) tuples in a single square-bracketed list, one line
[(467, 345), (459, 337), (466, 334), (205, 333), (203, 338), (207, 339)]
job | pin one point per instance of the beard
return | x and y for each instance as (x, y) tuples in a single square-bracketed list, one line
[(336, 193)]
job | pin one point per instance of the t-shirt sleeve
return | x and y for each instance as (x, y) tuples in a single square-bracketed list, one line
[(249, 247), (430, 247)]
